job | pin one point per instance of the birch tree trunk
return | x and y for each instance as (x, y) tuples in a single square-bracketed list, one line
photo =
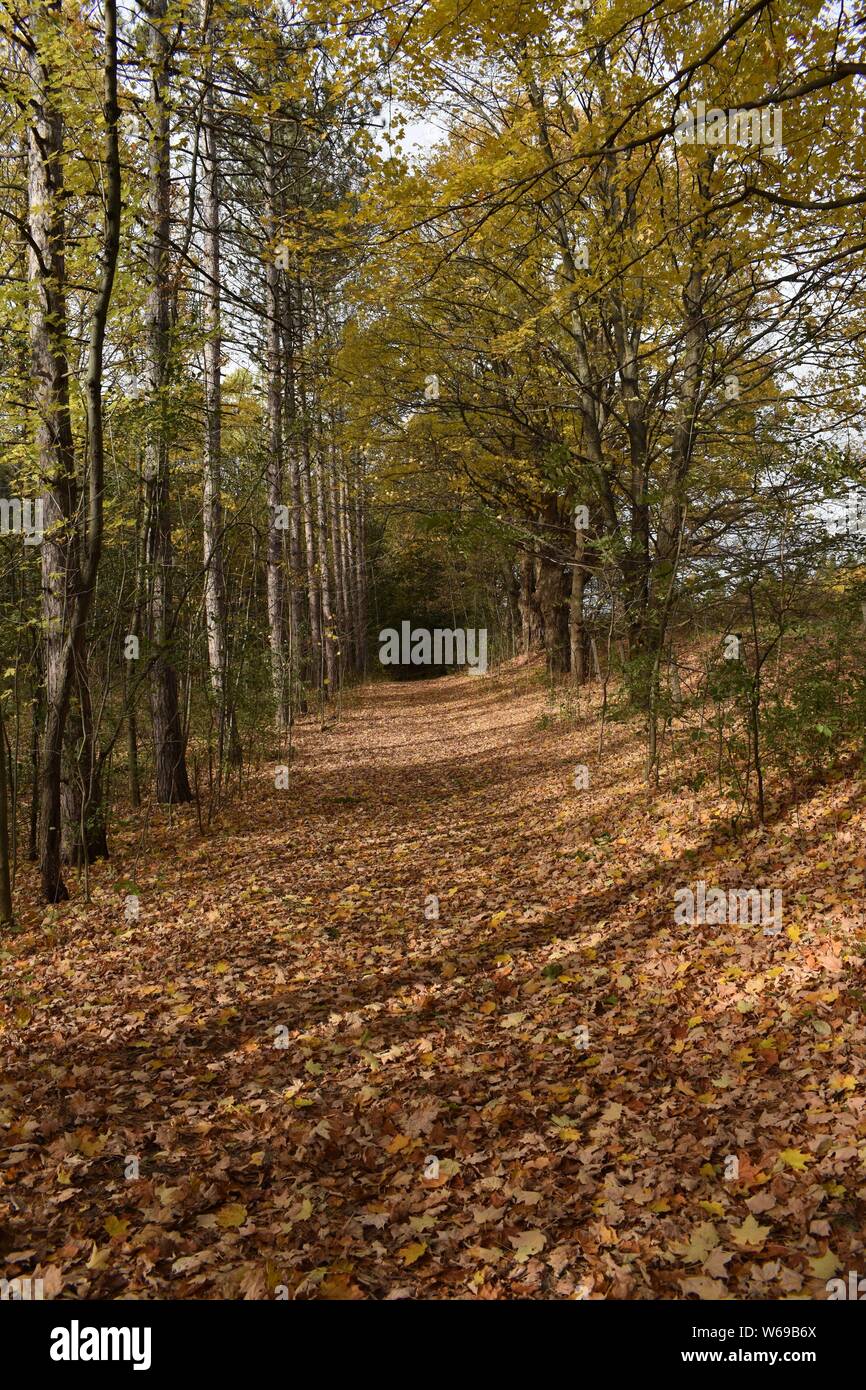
[(48, 337), (576, 630), (343, 652), (328, 621), (360, 574), (69, 567), (323, 569), (348, 570), (214, 572)]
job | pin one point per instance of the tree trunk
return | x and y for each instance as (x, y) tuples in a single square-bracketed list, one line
[(302, 406), (551, 600), (132, 745), (329, 632), (37, 717), (172, 781), (83, 836), (214, 572), (297, 605), (6, 915), (530, 616), (361, 573), (343, 648), (47, 273), (323, 568), (69, 570), (276, 544), (550, 590), (576, 630), (348, 570)]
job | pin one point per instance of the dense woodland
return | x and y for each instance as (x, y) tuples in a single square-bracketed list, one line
[(544, 317), (226, 284)]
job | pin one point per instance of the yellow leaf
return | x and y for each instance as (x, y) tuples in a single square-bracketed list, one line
[(528, 1244), (838, 1082), (231, 1215), (115, 1227), (92, 1148), (824, 1266), (702, 1286), (410, 1253), (795, 1159), (703, 1239), (750, 1233), (400, 1141)]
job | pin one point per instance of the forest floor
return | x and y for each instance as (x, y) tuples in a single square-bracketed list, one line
[(247, 1092)]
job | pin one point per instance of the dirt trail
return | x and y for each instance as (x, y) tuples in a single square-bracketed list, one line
[(328, 1093)]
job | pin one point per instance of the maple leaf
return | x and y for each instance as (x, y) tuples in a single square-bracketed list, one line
[(703, 1287), (824, 1266), (527, 1244), (750, 1233), (839, 1083), (716, 1262), (703, 1239), (793, 1158), (411, 1253), (231, 1215), (421, 1120)]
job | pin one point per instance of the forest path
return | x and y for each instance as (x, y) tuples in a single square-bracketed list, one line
[(328, 1093)]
